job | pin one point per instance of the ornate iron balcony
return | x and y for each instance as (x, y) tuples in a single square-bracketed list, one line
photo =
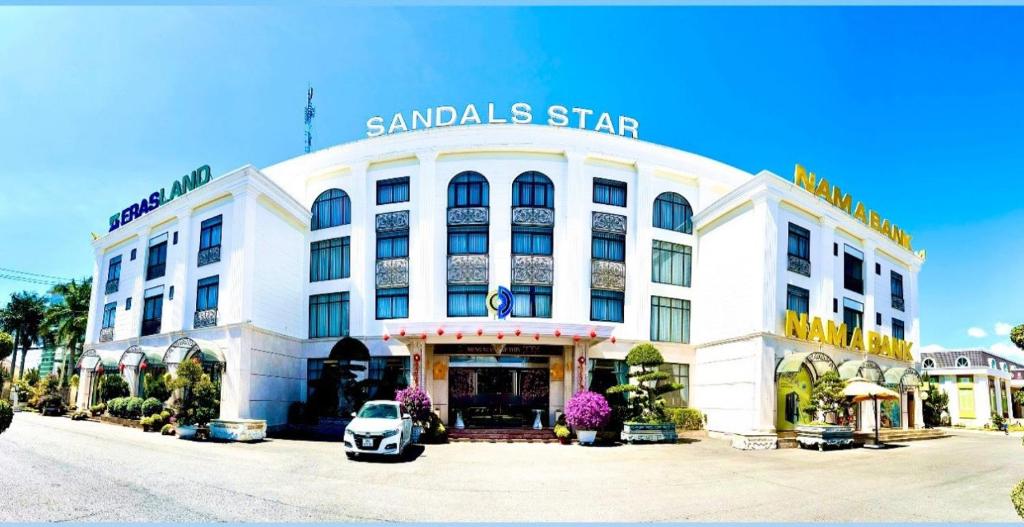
[(533, 269), (204, 319), (209, 255), (106, 334), (393, 272), (112, 285), (799, 265), (468, 215), (897, 302), (608, 275), (467, 269), (533, 216)]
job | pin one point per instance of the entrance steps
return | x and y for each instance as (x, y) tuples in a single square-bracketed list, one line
[(787, 439), (900, 436), (503, 435)]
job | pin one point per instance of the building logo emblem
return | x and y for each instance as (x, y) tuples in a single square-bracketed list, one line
[(500, 302)]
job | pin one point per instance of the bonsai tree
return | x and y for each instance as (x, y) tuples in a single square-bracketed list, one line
[(587, 410), (827, 398), (649, 384), (199, 403)]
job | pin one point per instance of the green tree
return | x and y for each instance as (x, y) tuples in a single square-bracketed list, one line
[(155, 387), (649, 383), (23, 317), (198, 402), (936, 402), (1017, 336), (67, 319), (6, 345), (827, 398)]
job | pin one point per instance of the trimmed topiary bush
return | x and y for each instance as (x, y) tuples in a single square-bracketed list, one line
[(133, 408), (98, 409), (686, 418), (587, 410), (167, 430), (1017, 498), (151, 406), (157, 420), (165, 415), (648, 384), (6, 415)]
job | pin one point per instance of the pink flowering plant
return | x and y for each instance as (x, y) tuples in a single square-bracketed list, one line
[(587, 410), (416, 402)]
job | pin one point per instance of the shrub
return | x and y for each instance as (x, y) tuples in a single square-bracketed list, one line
[(156, 420), (649, 383), (416, 401), (133, 408), (1017, 498), (31, 377), (686, 418), (167, 430), (165, 415), (80, 415), (587, 410), (51, 403), (6, 415), (562, 432), (998, 421), (151, 406), (155, 387), (98, 409), (146, 423), (198, 403), (111, 386)]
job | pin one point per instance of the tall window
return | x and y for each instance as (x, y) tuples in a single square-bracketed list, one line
[(392, 245), (532, 301), (897, 329), (468, 189), (671, 263), (896, 287), (678, 373), (109, 314), (392, 302), (330, 209), (156, 261), (113, 274), (467, 300), (329, 259), (610, 192), (673, 212), (670, 319), (209, 240), (470, 239), (394, 190), (608, 246), (207, 293), (853, 270), (152, 312), (533, 189), (328, 315), (606, 306), (798, 299), (853, 316), (799, 252), (531, 240)]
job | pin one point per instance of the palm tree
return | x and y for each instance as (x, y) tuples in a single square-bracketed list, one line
[(67, 318), (23, 316)]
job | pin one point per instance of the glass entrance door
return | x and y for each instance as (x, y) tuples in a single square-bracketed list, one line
[(492, 393)]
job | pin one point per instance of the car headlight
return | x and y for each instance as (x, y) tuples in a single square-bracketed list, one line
[(390, 433), (348, 432)]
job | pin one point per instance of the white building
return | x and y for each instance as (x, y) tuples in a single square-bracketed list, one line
[(340, 274), (979, 384)]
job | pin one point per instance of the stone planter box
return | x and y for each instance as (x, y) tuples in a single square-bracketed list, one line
[(822, 436), (243, 430), (649, 433), (130, 423)]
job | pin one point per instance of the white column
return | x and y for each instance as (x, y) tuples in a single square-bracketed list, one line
[(999, 396), (1009, 400), (572, 243), (869, 290), (179, 275), (823, 265)]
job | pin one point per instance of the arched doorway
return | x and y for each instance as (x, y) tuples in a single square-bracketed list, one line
[(796, 374), (340, 384)]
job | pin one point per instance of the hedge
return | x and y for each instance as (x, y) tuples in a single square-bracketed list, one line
[(686, 418)]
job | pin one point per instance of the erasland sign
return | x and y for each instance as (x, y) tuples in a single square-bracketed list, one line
[(198, 178), (833, 194), (797, 326), (518, 113)]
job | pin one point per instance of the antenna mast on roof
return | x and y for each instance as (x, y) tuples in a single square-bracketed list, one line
[(310, 113)]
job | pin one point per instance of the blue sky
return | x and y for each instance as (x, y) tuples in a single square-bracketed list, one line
[(916, 111)]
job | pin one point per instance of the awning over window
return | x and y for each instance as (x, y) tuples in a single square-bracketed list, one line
[(187, 348), (865, 369), (816, 361), (134, 355), (902, 377), (97, 360)]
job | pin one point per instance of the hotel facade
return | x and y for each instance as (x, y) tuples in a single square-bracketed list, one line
[(343, 274)]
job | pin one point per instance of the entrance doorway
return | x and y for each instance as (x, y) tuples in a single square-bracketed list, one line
[(910, 410), (498, 391)]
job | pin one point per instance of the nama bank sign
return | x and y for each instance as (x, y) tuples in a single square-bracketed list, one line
[(180, 187)]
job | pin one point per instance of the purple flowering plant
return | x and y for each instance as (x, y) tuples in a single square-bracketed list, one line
[(587, 410), (416, 402)]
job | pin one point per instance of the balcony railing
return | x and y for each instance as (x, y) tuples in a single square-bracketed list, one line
[(205, 318), (799, 265), (106, 334), (208, 255), (112, 285), (607, 275), (150, 327), (897, 302)]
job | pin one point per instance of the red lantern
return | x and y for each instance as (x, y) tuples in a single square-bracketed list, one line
[(501, 335), (144, 365), (575, 338), (558, 333), (401, 332), (458, 335), (423, 336), (581, 360), (593, 333), (536, 336), (613, 339), (440, 331), (120, 367), (479, 332), (387, 337), (416, 357), (518, 332)]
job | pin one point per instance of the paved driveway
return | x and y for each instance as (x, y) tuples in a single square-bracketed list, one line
[(55, 469)]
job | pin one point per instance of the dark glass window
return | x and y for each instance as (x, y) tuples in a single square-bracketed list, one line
[(114, 270), (207, 292), (896, 288), (853, 316), (328, 315), (531, 240), (798, 299), (468, 240), (330, 209), (673, 212), (467, 300), (395, 245), (134, 252), (128, 304), (533, 189), (210, 232), (680, 374), (393, 303), (670, 319), (607, 246), (109, 313), (799, 242), (156, 263), (853, 272), (897, 329), (878, 319), (329, 259), (468, 189), (394, 190), (531, 301), (610, 192), (606, 306), (671, 263), (152, 313)]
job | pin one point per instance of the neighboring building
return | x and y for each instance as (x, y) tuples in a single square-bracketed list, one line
[(979, 383), (352, 271), (45, 359)]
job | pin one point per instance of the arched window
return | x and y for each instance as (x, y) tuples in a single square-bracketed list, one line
[(533, 189), (673, 212), (928, 363), (331, 208), (962, 362), (468, 189)]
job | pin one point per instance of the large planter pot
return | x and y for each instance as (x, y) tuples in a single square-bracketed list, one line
[(649, 432), (186, 431), (241, 430), (822, 436), (586, 437)]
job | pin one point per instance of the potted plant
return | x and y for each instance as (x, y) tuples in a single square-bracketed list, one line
[(587, 412), (417, 403), (647, 421), (198, 403), (828, 401)]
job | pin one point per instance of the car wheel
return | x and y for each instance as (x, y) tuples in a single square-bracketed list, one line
[(350, 455)]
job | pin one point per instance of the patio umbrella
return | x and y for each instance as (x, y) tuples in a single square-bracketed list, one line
[(859, 390)]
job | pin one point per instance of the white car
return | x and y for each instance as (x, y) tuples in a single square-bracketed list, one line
[(380, 427)]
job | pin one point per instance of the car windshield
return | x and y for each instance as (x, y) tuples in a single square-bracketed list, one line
[(379, 411)]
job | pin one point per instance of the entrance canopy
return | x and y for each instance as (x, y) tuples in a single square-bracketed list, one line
[(186, 348), (902, 378), (349, 348), (865, 369), (816, 361), (135, 356), (99, 360)]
